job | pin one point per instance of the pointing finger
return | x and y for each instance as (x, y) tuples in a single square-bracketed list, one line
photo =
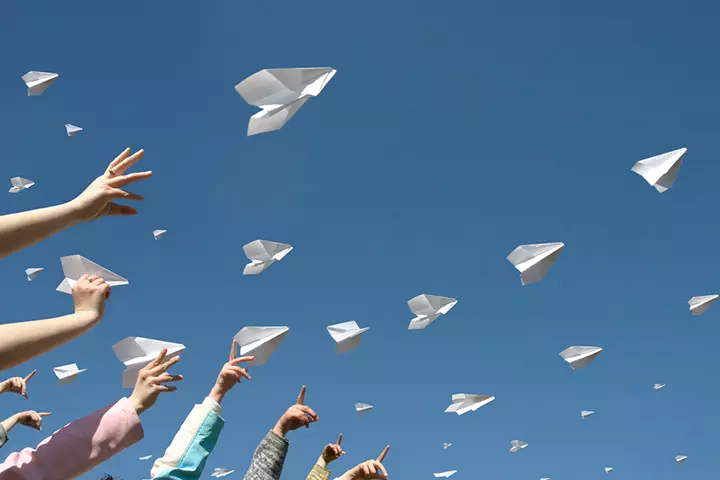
[(382, 455), (249, 358), (339, 442), (301, 397), (44, 414), (30, 375), (157, 360), (233, 348)]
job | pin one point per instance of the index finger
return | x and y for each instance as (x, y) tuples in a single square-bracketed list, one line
[(44, 414), (301, 397), (158, 360), (30, 375), (123, 155), (339, 439), (233, 349), (382, 455), (241, 359), (122, 166)]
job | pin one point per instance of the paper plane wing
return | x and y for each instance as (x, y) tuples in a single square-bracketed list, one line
[(660, 171), (271, 120), (586, 413), (426, 305), (72, 129), (533, 261), (38, 82), (362, 408), (681, 458), (19, 184), (260, 342), (158, 234), (256, 268), (579, 357), (32, 273), (146, 457), (447, 474), (699, 305), (75, 266), (419, 323), (281, 86)]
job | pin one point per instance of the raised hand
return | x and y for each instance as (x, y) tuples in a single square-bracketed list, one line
[(17, 384), (97, 199), (32, 419), (230, 374), (372, 469), (331, 452), (89, 294), (297, 416), (150, 382)]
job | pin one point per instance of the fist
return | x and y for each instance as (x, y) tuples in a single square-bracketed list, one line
[(89, 294), (32, 419)]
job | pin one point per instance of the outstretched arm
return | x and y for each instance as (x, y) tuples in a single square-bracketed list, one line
[(330, 453), (30, 418)]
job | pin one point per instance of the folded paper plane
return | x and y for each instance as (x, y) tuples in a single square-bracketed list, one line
[(517, 445), (280, 92), (221, 472), (67, 374), (38, 82), (680, 459), (586, 413), (609, 469), (32, 273), (75, 266), (262, 254), (579, 357), (698, 305), (534, 261), (72, 130), (466, 402), (137, 352), (428, 308), (660, 171), (362, 408), (447, 445), (347, 336), (146, 457), (658, 386), (447, 474), (158, 234), (19, 184), (260, 342)]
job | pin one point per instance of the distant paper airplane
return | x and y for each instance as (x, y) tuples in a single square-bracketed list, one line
[(280, 92), (466, 402), (680, 459), (32, 273), (67, 374), (447, 474), (698, 305), (428, 308), (72, 130), (262, 254), (362, 408), (158, 234), (658, 386), (517, 445), (534, 261), (447, 445), (146, 457), (38, 82), (221, 472), (609, 469), (586, 413), (546, 478), (579, 357), (19, 184), (260, 342), (347, 336), (137, 352), (660, 171), (75, 266)]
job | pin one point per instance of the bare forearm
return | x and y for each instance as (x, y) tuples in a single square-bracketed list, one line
[(217, 394), (9, 423), (20, 230)]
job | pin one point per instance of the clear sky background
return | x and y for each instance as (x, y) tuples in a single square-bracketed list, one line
[(452, 132)]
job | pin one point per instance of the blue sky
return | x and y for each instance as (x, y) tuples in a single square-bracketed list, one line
[(451, 134)]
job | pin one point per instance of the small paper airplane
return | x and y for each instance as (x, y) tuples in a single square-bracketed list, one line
[(447, 474), (67, 373), (38, 82), (221, 472), (347, 336), (658, 386), (146, 457), (280, 92), (579, 357), (362, 408), (546, 478), (447, 445), (32, 273), (262, 254), (466, 402), (137, 352), (517, 445), (698, 305), (586, 413), (680, 459), (72, 130), (534, 261), (260, 342), (609, 469), (19, 184), (660, 171), (158, 234), (75, 266), (428, 308)]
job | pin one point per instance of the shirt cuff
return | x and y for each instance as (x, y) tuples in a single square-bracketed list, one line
[(212, 405)]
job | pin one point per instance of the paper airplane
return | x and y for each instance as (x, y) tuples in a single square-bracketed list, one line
[(698, 305), (262, 254), (38, 82), (280, 92), (72, 130), (146, 457), (534, 261), (19, 184), (658, 386), (517, 445), (75, 266), (447, 445), (137, 352), (447, 474), (680, 459), (579, 357), (466, 402), (158, 234), (546, 478), (221, 472), (362, 408), (586, 413), (260, 342), (660, 171), (32, 273), (67, 373), (609, 469), (347, 336), (428, 308)]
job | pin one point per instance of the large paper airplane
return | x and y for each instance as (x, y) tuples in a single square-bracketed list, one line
[(280, 92), (466, 402), (660, 171), (19, 184), (137, 352), (67, 374), (579, 357), (698, 305), (517, 445), (221, 472), (586, 413), (680, 459), (428, 308), (38, 82), (75, 266), (447, 474), (158, 234), (533, 261), (347, 335), (32, 273), (72, 130), (260, 342), (262, 254), (362, 408)]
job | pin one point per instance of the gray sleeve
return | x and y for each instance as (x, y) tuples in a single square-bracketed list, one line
[(3, 435), (268, 460)]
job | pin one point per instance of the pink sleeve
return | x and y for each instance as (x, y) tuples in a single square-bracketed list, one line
[(78, 447)]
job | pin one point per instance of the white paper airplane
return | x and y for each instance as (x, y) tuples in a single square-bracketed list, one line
[(447, 474), (221, 472), (660, 171), (698, 305), (72, 130), (158, 234), (609, 469), (19, 184), (67, 374), (428, 308), (75, 266), (146, 457), (260, 342), (38, 82), (680, 459), (546, 478), (466, 402), (579, 357), (447, 445), (347, 335), (658, 386), (262, 254), (32, 273), (586, 413), (534, 261), (137, 352), (517, 445), (362, 408), (280, 92)]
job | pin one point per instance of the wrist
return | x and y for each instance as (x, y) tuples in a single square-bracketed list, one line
[(73, 211), (321, 462), (87, 317), (279, 430), (217, 394), (137, 404)]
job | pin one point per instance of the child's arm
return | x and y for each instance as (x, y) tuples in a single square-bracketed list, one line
[(30, 418), (372, 469), (330, 453), (17, 384)]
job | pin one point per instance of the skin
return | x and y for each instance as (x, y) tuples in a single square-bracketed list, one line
[(17, 384), (372, 469), (151, 382), (230, 375), (298, 415), (30, 419), (330, 453)]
